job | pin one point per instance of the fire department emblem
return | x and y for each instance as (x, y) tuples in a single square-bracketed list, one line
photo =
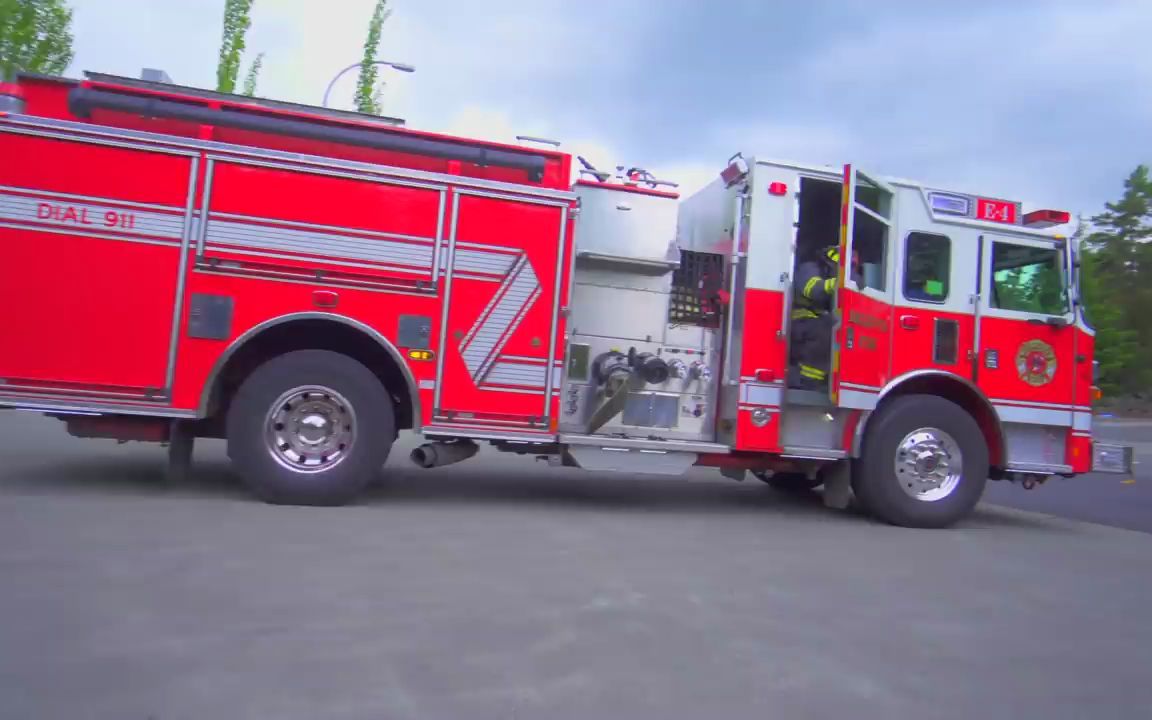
[(1036, 363)]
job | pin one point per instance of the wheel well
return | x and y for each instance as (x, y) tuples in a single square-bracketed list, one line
[(964, 395), (313, 334)]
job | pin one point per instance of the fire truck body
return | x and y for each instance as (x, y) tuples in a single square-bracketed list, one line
[(180, 263)]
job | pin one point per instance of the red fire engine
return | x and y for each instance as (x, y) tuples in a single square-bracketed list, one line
[(305, 283)]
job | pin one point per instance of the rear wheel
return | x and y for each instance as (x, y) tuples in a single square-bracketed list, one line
[(924, 463), (311, 427), (790, 482)]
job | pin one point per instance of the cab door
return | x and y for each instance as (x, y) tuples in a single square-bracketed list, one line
[(1026, 363), (861, 349), (934, 313)]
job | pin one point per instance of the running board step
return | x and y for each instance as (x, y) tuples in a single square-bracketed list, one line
[(633, 455)]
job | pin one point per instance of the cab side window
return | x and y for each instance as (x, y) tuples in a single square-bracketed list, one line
[(1028, 279), (927, 267)]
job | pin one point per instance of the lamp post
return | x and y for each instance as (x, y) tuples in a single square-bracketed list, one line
[(402, 67)]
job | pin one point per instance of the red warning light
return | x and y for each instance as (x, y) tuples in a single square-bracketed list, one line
[(1047, 218), (777, 188)]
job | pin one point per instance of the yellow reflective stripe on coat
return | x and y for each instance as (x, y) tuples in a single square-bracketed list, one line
[(810, 286), (830, 285), (804, 314), (812, 373)]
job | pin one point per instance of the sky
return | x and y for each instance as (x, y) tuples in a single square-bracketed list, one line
[(1044, 101)]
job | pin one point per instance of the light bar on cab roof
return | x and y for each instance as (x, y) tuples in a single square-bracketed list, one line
[(1047, 218)]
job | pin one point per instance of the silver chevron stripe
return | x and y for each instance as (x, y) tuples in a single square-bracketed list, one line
[(88, 214), (499, 320), (315, 242), (508, 372)]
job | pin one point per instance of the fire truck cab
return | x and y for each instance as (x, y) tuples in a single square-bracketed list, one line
[(962, 338), (305, 283)]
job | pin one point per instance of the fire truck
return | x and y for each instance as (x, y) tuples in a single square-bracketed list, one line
[(305, 283)]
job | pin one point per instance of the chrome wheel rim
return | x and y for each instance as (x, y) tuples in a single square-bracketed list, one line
[(929, 464), (310, 429)]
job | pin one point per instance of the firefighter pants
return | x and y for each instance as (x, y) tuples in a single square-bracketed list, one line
[(810, 353)]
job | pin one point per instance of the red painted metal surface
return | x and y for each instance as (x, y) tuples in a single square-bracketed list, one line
[(762, 349), (1079, 451), (1008, 338), (913, 348), (864, 340), (93, 253), (89, 300), (499, 332), (750, 437), (763, 353)]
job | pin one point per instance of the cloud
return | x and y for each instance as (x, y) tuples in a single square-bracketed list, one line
[(1014, 99), (1048, 99)]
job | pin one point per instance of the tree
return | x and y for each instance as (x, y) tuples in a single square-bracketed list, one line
[(1115, 282), (35, 36), (237, 20), (367, 89), (253, 73)]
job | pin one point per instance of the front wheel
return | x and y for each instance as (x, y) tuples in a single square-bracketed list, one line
[(924, 463), (310, 427)]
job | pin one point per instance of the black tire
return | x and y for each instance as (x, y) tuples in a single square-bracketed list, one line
[(790, 482), (881, 487), (357, 403)]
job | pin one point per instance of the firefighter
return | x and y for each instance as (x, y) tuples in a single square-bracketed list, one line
[(812, 321)]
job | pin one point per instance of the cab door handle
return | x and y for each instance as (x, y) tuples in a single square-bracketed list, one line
[(910, 322)]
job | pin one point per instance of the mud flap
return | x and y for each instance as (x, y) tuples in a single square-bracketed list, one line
[(838, 485)]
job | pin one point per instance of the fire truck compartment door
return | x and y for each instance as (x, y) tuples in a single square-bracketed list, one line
[(502, 321), (93, 241), (861, 346), (1026, 362)]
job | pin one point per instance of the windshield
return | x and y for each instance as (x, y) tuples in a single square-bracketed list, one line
[(1029, 279)]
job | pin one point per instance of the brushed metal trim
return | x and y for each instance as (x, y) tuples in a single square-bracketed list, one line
[(205, 209), (558, 281), (181, 276), (1040, 468), (443, 431), (15, 402), (449, 270), (24, 127), (439, 240), (603, 441), (263, 275)]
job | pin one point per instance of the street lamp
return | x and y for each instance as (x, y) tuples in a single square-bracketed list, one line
[(402, 67)]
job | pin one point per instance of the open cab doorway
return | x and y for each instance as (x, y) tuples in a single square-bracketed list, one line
[(841, 307)]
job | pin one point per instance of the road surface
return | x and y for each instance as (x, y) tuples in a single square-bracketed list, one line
[(505, 589), (1109, 499)]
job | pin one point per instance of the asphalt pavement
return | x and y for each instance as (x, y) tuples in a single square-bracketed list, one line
[(1109, 499), (502, 588)]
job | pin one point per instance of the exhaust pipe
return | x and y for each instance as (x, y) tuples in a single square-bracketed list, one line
[(438, 454)]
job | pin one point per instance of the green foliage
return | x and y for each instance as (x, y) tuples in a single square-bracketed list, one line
[(253, 74), (35, 36), (237, 20), (367, 87), (1116, 284)]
